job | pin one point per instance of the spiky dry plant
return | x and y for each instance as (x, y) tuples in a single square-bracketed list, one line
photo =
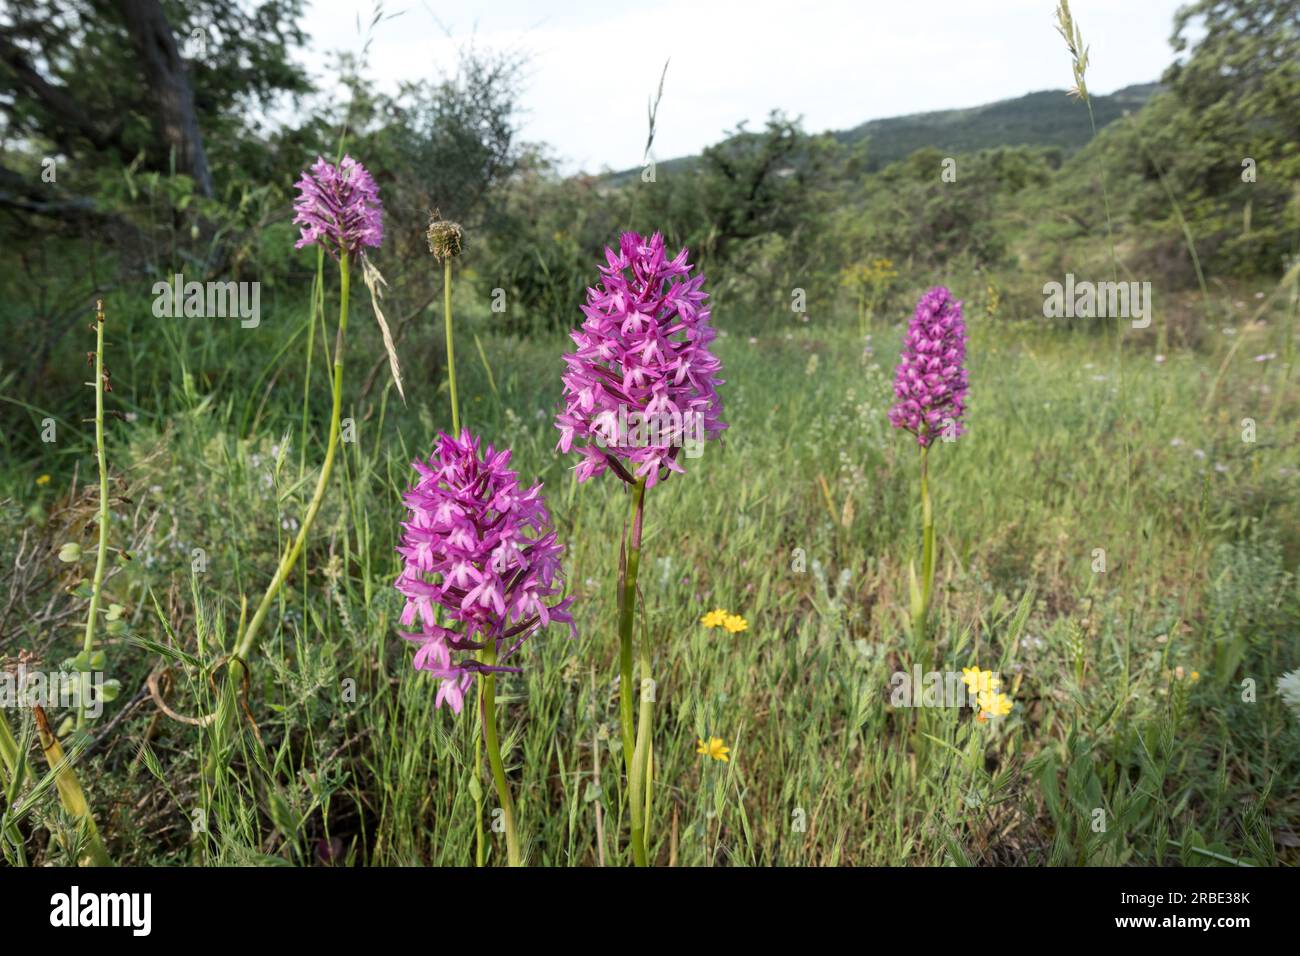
[(1069, 31), (1073, 36)]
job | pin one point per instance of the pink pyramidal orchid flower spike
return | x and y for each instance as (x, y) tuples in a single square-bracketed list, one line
[(930, 381), (641, 387), (338, 208), (481, 574), (480, 548), (931, 386), (643, 358)]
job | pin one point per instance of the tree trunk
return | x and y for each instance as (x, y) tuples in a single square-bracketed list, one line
[(169, 82)]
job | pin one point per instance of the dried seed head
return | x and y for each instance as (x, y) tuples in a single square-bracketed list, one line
[(444, 237)]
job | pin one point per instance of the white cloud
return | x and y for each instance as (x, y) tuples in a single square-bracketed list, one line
[(592, 66)]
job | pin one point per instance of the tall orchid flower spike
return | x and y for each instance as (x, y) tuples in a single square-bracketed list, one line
[(480, 549), (931, 386), (640, 388), (339, 210)]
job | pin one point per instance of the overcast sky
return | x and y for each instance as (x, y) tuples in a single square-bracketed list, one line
[(592, 65)]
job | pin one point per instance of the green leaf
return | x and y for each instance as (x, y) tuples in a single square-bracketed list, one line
[(914, 589), (70, 552)]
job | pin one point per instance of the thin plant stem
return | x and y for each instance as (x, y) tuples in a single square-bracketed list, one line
[(487, 690), (635, 748), (626, 615), (248, 642), (451, 354), (480, 732), (921, 610), (640, 804), (921, 600), (1105, 198), (595, 775), (101, 556), (480, 849), (317, 306), (649, 783)]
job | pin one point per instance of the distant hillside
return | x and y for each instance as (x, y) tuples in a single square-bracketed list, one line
[(1046, 118)]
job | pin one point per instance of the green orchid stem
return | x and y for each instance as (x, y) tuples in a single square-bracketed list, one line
[(317, 310), (920, 613), (633, 760), (248, 641), (921, 602), (480, 851), (640, 779), (101, 557), (487, 697), (451, 352), (626, 615)]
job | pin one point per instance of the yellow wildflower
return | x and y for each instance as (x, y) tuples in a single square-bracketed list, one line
[(715, 618), (735, 623), (715, 748), (43, 480), (994, 704), (980, 681)]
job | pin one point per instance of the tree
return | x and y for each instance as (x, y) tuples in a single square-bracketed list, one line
[(1237, 92), (106, 79), (178, 126), (754, 183), (1241, 79)]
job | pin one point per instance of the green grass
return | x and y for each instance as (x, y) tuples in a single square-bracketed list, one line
[(803, 520)]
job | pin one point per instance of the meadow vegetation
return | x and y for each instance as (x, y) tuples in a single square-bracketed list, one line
[(1119, 527)]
